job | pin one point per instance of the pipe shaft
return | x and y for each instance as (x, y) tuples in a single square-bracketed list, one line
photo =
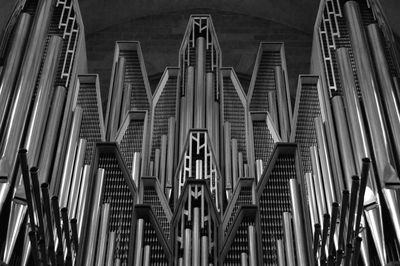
[(170, 154), (74, 230), (252, 246), (353, 203), (136, 168), (320, 195), (163, 160), (244, 259), (83, 191), (334, 216), (146, 255), (200, 92), (210, 99), (343, 213), (204, 251), (139, 242), (241, 166), (259, 169), (234, 163), (157, 155), (64, 215), (110, 248), (288, 234), (284, 117), (273, 110), (196, 236), (189, 94), (103, 234), (228, 161), (187, 260), (311, 199), (280, 251)]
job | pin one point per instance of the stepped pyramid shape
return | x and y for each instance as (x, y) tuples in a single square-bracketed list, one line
[(200, 171)]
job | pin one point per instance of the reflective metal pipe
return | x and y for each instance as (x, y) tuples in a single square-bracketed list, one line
[(329, 185), (110, 248), (95, 215), (26, 246), (139, 242), (103, 234), (126, 103), (235, 165), (346, 152), (370, 94), (117, 262), (284, 119), (200, 92), (196, 235), (157, 155), (348, 254), (74, 230), (273, 110), (64, 215), (83, 191), (353, 201), (361, 195), (320, 195), (240, 159), (252, 245), (163, 160), (170, 156), (388, 92), (216, 130), (356, 254), (189, 93), (311, 199), (76, 179), (47, 211), (151, 168), (210, 98), (280, 251), (325, 229), (57, 221), (146, 255), (24, 89), (182, 124), (392, 198), (27, 185), (136, 168), (334, 216), (298, 222), (243, 259), (51, 134), (204, 251), (38, 202), (288, 234), (317, 234), (35, 251), (259, 169), (12, 64), (227, 149), (199, 169), (343, 213), (187, 260), (65, 181), (115, 110)]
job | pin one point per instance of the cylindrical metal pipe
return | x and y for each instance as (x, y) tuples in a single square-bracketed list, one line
[(273, 110), (25, 88), (136, 168), (259, 169), (157, 155), (298, 221), (216, 130), (288, 234), (353, 205), (187, 260), (170, 156), (47, 212), (284, 118), (95, 215), (35, 251), (280, 252), (76, 178), (311, 199), (244, 260), (146, 255), (139, 242), (234, 163), (110, 248), (370, 94), (200, 92), (240, 159), (57, 221), (334, 216), (252, 246), (64, 215), (199, 169), (11, 66), (74, 230), (317, 234), (163, 160), (189, 94), (346, 153), (228, 161), (356, 254), (51, 135), (388, 91), (204, 251), (330, 189), (196, 236), (65, 181), (126, 103), (363, 184), (82, 198), (392, 198), (343, 213), (325, 229), (103, 234), (319, 189), (26, 182), (182, 124), (210, 98)]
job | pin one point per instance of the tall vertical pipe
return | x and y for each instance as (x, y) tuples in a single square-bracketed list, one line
[(244, 259), (182, 123), (103, 234), (210, 98), (163, 160), (200, 92), (67, 236), (319, 189), (76, 178), (187, 260), (311, 199), (65, 181), (298, 221), (288, 234), (345, 150), (259, 169), (284, 119), (240, 161), (139, 242), (234, 163), (11, 66), (199, 169), (370, 94), (126, 103), (228, 161), (273, 110), (83, 191), (170, 156), (146, 255), (110, 248), (329, 185), (196, 237), (95, 215), (281, 252), (252, 246), (24, 89), (353, 205), (216, 129), (157, 155), (204, 251), (189, 99), (136, 168)]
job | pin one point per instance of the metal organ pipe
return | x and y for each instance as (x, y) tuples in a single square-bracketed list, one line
[(11, 66), (311, 199), (252, 246), (146, 255), (204, 251), (200, 92), (163, 160), (210, 98), (187, 260), (235, 176), (136, 168), (280, 251), (189, 93), (288, 234), (320, 196), (244, 259), (83, 190), (170, 156), (228, 161), (196, 236), (103, 234), (273, 110), (139, 242), (284, 119)]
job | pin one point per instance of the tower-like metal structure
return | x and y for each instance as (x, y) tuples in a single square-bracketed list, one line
[(200, 171)]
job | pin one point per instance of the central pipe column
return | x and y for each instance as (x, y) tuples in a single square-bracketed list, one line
[(200, 95)]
